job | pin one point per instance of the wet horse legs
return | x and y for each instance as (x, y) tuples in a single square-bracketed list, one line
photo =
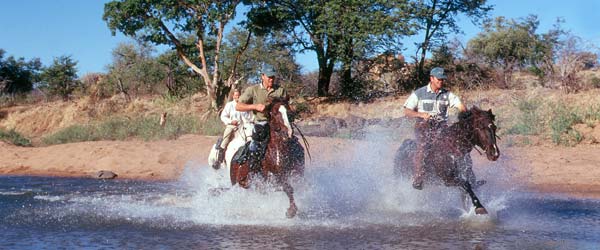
[(289, 191), (479, 209)]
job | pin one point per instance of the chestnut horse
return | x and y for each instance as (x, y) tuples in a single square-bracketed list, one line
[(444, 159), (283, 158)]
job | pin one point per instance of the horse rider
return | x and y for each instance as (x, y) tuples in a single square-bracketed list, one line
[(232, 119), (425, 103), (255, 98)]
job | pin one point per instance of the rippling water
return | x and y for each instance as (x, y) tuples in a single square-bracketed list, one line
[(38, 213), (348, 201)]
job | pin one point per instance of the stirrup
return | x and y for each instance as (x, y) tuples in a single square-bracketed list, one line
[(417, 184), (479, 183)]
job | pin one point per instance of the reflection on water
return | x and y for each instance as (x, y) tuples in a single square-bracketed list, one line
[(352, 202), (73, 213)]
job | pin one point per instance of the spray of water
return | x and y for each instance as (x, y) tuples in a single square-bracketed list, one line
[(354, 187)]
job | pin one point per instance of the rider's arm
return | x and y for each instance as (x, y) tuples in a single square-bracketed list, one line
[(249, 107), (456, 103), (410, 108), (245, 103), (226, 114), (414, 114)]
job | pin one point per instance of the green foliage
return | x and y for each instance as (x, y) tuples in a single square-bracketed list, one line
[(122, 128), (595, 82), (60, 78), (340, 31), (212, 126), (529, 120), (436, 19), (510, 45), (562, 125), (14, 137), (17, 75), (193, 28)]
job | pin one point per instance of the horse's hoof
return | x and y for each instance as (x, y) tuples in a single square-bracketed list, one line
[(480, 183), (480, 210), (418, 185), (291, 212)]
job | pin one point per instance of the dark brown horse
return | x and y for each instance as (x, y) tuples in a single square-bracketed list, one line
[(283, 158), (445, 158)]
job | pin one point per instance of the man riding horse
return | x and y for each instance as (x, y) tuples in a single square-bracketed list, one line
[(255, 99), (430, 104)]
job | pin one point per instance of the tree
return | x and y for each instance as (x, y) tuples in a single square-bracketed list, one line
[(273, 49), (193, 28), (364, 29), (510, 45), (571, 56), (60, 78), (333, 29), (17, 75), (133, 70), (437, 18)]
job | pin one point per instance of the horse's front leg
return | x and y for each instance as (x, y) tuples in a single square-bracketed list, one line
[(479, 209), (289, 191)]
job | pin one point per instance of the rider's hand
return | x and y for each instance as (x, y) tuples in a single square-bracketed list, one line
[(425, 116), (234, 122), (259, 107)]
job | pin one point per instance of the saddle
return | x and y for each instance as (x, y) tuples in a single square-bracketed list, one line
[(253, 150)]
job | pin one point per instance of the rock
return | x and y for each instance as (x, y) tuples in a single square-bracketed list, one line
[(104, 174), (355, 122)]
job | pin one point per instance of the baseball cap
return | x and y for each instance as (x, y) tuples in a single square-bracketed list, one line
[(438, 73), (268, 70)]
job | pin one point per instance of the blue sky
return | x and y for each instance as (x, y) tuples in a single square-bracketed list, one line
[(48, 29)]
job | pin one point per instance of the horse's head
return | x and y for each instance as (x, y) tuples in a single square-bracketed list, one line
[(279, 121), (485, 132)]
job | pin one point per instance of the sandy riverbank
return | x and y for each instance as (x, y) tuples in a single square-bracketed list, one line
[(574, 170)]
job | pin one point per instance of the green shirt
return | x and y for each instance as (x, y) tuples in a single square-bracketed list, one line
[(258, 94)]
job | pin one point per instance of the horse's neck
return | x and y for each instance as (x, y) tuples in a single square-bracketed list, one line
[(463, 130)]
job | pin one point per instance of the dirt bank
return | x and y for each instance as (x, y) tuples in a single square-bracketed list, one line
[(543, 168)]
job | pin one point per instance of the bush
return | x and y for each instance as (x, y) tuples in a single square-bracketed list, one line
[(15, 138), (529, 121), (212, 126), (122, 128), (562, 126)]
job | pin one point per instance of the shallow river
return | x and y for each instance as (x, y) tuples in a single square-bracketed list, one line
[(339, 209)]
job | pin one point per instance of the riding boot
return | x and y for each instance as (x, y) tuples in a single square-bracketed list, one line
[(255, 155), (220, 158), (419, 170)]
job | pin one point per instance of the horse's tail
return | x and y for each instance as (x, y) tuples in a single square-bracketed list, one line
[(403, 159)]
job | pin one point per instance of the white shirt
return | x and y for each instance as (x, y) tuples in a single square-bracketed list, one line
[(415, 103), (229, 114)]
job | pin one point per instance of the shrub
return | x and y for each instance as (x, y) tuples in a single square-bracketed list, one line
[(211, 126), (122, 128), (529, 121), (15, 138), (562, 125), (75, 133)]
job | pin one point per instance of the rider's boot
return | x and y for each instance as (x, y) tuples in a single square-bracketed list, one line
[(220, 158), (419, 170), (254, 151)]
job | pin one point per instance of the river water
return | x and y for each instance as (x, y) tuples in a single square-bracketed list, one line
[(336, 212), (347, 200)]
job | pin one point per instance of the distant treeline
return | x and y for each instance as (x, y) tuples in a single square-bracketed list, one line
[(358, 46)]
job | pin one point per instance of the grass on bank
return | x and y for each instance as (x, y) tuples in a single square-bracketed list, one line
[(554, 119), (14, 138), (145, 128)]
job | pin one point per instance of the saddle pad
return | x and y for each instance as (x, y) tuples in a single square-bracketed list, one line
[(242, 154)]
